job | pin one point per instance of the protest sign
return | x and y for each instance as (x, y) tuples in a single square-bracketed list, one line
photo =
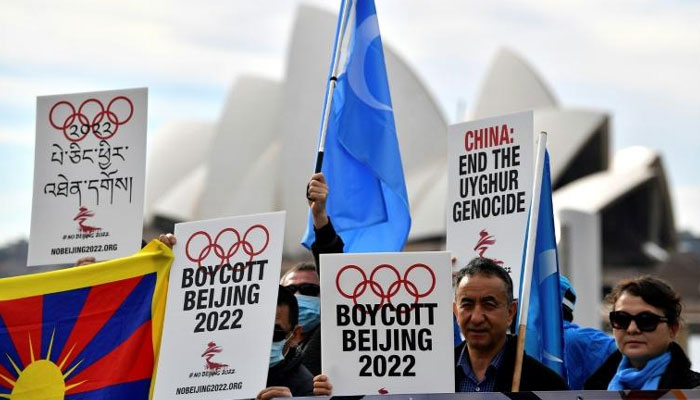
[(220, 313), (387, 323), (489, 189), (89, 173)]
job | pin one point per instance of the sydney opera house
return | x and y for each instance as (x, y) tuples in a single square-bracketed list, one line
[(613, 211)]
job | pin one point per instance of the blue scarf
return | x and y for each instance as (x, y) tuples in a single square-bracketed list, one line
[(647, 378)]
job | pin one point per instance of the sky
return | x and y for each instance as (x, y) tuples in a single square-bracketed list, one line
[(637, 60)]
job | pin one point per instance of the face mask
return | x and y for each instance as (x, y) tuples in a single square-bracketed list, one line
[(309, 312), (276, 355)]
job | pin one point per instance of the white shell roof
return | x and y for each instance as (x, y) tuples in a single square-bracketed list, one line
[(567, 131), (242, 160), (181, 201), (631, 168), (260, 154), (262, 150), (420, 125), (178, 148), (511, 85)]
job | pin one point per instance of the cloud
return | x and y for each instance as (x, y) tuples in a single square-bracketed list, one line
[(22, 137), (154, 39)]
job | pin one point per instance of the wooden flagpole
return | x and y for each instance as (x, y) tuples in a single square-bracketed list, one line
[(526, 279)]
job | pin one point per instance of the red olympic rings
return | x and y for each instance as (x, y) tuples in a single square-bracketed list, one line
[(85, 125), (378, 289), (225, 255)]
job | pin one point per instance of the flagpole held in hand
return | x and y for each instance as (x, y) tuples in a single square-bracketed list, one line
[(332, 81), (526, 277)]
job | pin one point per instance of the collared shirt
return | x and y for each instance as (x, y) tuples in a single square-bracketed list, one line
[(467, 381)]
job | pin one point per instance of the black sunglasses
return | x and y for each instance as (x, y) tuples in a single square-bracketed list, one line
[(307, 289), (279, 334), (645, 321)]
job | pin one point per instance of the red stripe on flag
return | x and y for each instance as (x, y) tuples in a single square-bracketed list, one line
[(7, 374), (131, 361), (101, 303), (23, 318)]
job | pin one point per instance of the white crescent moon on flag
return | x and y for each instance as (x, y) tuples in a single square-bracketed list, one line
[(548, 264), (365, 34)]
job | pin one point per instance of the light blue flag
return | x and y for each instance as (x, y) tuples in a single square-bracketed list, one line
[(544, 339), (368, 203)]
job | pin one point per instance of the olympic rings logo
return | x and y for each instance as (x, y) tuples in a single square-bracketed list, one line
[(226, 244), (383, 289), (91, 116)]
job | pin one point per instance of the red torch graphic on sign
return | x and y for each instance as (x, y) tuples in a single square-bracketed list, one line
[(83, 215), (485, 241), (209, 353)]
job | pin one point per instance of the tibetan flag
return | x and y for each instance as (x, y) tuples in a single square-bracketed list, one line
[(368, 202), (88, 332), (544, 339)]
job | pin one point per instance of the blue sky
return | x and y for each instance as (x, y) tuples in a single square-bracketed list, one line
[(638, 60)]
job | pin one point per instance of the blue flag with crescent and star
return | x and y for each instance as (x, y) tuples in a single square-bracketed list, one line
[(368, 202), (544, 339)]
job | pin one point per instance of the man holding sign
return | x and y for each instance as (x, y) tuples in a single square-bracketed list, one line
[(485, 308)]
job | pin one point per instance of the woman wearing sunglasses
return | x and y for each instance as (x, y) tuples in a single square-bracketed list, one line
[(645, 321)]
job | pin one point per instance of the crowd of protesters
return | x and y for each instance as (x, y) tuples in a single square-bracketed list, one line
[(641, 354)]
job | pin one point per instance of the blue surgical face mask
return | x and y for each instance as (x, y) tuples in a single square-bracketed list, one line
[(309, 312), (276, 355)]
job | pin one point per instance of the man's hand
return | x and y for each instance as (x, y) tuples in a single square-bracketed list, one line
[(85, 261), (168, 239), (317, 193), (322, 386), (274, 391)]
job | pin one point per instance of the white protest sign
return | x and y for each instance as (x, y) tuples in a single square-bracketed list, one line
[(89, 174), (220, 312), (387, 323), (490, 164)]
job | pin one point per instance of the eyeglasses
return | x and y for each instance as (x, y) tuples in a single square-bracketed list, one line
[(645, 321), (307, 289), (279, 334)]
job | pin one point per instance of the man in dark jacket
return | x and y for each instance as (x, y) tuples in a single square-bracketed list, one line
[(286, 376), (485, 308)]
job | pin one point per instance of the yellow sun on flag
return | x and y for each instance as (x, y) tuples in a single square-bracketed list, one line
[(41, 379)]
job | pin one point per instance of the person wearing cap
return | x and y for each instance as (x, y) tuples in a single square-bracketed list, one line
[(585, 349)]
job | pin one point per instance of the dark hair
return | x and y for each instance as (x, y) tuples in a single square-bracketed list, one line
[(653, 291), (285, 297), (487, 267), (302, 266)]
